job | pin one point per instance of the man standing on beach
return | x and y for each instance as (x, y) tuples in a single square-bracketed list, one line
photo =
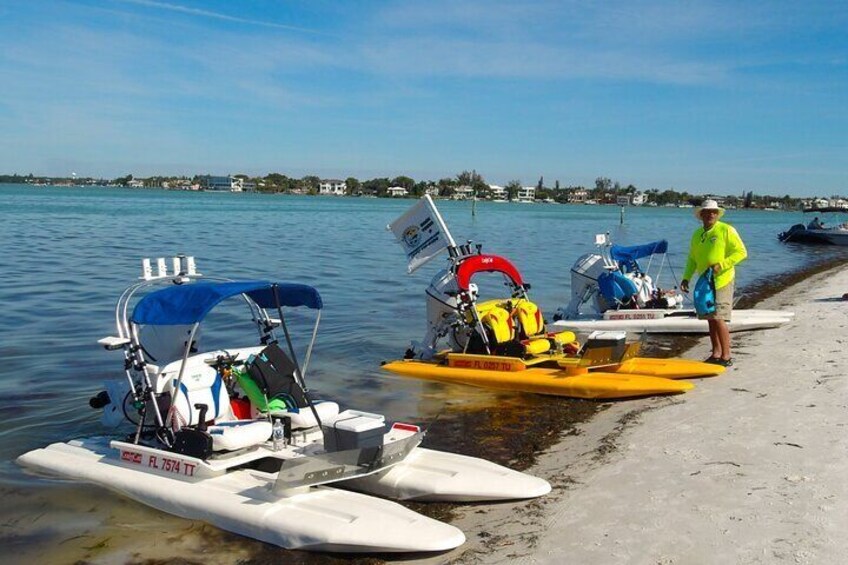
[(716, 246)]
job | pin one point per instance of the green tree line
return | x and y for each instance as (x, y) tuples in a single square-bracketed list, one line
[(604, 191)]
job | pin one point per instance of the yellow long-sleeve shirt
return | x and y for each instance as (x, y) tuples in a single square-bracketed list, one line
[(720, 245)]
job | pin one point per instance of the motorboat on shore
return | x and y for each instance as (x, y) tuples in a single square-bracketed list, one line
[(235, 438), (610, 290), (502, 343), (816, 232)]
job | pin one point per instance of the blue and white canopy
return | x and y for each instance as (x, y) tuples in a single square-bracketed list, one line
[(626, 256), (621, 253), (190, 303)]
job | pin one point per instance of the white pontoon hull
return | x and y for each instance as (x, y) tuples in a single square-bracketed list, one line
[(671, 321), (428, 475), (313, 518)]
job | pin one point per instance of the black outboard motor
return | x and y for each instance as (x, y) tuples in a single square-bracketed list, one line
[(100, 400), (795, 233)]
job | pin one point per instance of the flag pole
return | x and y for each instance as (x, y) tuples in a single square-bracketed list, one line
[(441, 222)]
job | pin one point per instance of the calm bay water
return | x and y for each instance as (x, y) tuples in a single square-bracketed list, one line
[(69, 252)]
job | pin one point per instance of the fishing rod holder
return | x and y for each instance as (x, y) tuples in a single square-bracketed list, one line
[(182, 268)]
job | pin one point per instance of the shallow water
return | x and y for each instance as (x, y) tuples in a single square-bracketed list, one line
[(69, 252)]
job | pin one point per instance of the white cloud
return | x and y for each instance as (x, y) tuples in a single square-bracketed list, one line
[(214, 15), (540, 61)]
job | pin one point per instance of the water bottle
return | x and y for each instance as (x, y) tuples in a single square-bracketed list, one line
[(278, 435)]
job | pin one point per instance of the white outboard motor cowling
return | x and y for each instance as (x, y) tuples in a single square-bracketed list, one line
[(584, 284), (441, 313)]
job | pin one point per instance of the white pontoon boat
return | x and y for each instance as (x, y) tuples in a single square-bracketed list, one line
[(234, 438), (611, 291)]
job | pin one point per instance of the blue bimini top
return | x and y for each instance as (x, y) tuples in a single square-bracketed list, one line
[(190, 303), (626, 256)]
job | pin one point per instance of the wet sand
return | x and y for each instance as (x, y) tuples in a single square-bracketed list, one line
[(747, 468)]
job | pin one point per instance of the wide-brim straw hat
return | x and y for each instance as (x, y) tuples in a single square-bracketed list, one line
[(709, 205)]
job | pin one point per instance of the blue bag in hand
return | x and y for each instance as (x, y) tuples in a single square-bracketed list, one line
[(704, 294)]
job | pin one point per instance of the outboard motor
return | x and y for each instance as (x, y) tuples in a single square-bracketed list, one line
[(442, 316), (448, 304), (115, 401), (795, 231), (584, 285)]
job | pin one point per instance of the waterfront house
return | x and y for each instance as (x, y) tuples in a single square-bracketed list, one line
[(527, 194), (578, 196), (498, 193), (635, 199), (333, 187), (463, 192), (719, 199), (219, 183), (397, 191)]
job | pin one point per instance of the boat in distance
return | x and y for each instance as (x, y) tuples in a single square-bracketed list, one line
[(817, 232)]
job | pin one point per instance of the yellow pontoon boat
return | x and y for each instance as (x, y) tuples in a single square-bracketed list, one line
[(502, 344)]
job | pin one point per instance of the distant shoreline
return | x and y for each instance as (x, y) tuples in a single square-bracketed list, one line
[(797, 205)]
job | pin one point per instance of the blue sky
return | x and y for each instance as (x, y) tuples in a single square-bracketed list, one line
[(706, 97)]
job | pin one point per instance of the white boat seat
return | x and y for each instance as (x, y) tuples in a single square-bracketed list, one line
[(203, 385), (206, 388), (238, 434), (304, 418)]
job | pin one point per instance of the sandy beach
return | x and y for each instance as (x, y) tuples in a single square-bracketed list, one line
[(747, 468)]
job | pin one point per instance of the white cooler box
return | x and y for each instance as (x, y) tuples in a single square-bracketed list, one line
[(354, 430)]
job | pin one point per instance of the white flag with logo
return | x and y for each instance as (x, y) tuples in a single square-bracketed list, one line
[(422, 233)]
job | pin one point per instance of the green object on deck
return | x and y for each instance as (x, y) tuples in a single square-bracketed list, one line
[(258, 399)]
